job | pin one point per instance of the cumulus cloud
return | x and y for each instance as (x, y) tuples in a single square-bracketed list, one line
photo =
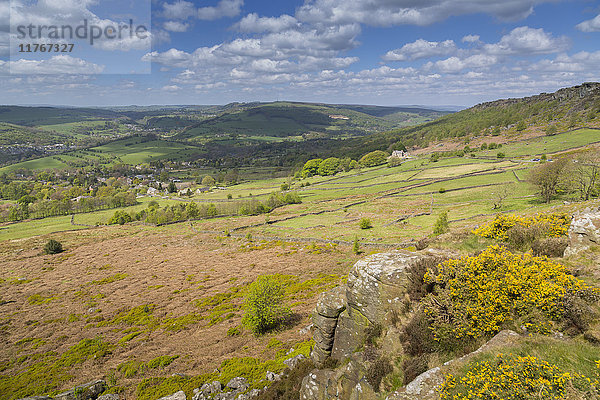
[(470, 39), (60, 64), (182, 9), (527, 41), (225, 8), (413, 12), (255, 24), (592, 25), (421, 49), (176, 26)]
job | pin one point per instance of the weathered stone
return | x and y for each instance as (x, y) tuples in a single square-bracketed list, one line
[(110, 396), (584, 231), (294, 361), (349, 334), (363, 391), (211, 388), (323, 340), (318, 385), (379, 282), (272, 376), (250, 395), (332, 302), (325, 324), (318, 355), (175, 396), (238, 383), (88, 391), (37, 398)]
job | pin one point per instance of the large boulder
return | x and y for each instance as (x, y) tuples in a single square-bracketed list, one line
[(88, 391), (175, 396), (584, 231)]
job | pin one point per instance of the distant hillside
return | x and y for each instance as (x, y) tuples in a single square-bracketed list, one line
[(300, 121), (35, 116)]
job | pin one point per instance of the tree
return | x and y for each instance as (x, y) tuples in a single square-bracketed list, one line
[(551, 130), (356, 246), (208, 181), (311, 167), (374, 158), (329, 166), (548, 177), (441, 225), (120, 217), (265, 305), (584, 175), (499, 196), (172, 188), (521, 126)]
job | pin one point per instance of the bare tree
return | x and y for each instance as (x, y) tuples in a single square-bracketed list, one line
[(584, 174), (548, 177), (500, 195)]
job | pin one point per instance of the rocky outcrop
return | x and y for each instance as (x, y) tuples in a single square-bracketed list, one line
[(584, 231), (325, 318), (377, 288)]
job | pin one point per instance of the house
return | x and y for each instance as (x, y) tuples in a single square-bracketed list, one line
[(152, 191), (400, 154), (202, 190), (78, 198)]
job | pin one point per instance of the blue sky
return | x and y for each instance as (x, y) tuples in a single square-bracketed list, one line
[(386, 52)]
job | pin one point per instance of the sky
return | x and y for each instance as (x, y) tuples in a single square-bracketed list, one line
[(383, 52)]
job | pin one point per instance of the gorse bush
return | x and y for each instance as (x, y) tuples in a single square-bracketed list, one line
[(53, 247), (264, 305), (478, 296), (552, 224), (512, 377)]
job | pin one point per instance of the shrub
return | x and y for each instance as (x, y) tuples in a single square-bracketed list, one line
[(289, 386), (550, 247), (413, 367), (500, 155), (441, 225), (264, 305), (478, 296), (416, 336), (378, 370), (365, 223), (442, 190), (53, 247)]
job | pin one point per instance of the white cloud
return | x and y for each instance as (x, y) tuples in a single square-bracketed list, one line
[(254, 23), (592, 25), (182, 9), (413, 12), (176, 26), (225, 8), (179, 10), (470, 39), (454, 64), (171, 88), (60, 64), (421, 49), (527, 41)]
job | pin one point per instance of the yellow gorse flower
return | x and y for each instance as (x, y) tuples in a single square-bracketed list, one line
[(510, 377), (554, 224), (478, 296)]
